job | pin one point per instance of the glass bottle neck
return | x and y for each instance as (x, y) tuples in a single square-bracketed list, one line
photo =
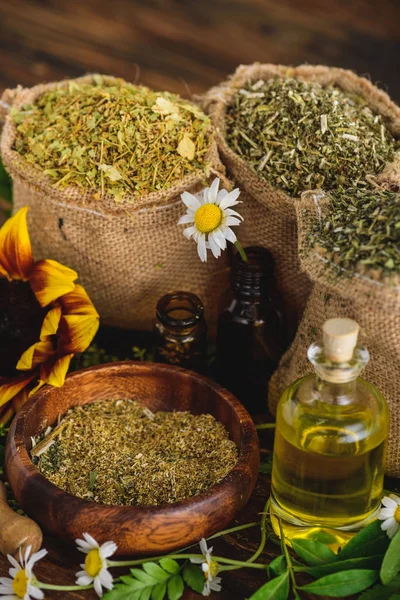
[(338, 394), (251, 280)]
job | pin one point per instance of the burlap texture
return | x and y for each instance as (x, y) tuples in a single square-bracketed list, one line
[(374, 302), (127, 254)]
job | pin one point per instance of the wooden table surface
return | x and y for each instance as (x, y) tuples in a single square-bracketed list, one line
[(189, 45)]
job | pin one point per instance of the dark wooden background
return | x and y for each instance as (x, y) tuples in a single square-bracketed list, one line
[(189, 45)]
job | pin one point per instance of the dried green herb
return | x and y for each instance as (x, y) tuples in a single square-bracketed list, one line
[(299, 135), (117, 138), (359, 230), (117, 452)]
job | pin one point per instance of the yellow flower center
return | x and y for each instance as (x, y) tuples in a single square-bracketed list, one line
[(397, 514), (208, 217), (93, 563), (20, 584), (213, 569)]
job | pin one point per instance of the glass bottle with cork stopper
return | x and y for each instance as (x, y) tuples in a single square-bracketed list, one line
[(250, 329), (180, 331), (330, 444)]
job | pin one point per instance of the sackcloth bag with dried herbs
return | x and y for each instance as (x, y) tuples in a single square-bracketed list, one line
[(349, 246), (127, 253), (269, 213)]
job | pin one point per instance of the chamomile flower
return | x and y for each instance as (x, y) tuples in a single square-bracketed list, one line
[(210, 569), (212, 216), (95, 566), (23, 583), (390, 515)]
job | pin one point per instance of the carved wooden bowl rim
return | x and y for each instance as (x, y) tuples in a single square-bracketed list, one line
[(235, 489)]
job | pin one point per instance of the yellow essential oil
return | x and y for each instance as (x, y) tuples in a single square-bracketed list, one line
[(330, 444)]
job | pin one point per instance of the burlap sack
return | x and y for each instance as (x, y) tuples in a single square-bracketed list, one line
[(269, 214), (127, 254)]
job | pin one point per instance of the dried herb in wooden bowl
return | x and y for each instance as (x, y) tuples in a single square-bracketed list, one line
[(120, 453), (299, 135), (117, 138)]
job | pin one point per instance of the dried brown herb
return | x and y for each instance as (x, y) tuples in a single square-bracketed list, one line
[(359, 230), (299, 135), (117, 139), (117, 452)]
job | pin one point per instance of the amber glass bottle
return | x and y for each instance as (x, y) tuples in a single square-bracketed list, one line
[(250, 332), (181, 332)]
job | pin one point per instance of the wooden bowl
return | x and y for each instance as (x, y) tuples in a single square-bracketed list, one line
[(136, 530)]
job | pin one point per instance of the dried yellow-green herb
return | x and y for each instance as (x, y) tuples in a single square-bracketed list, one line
[(299, 135), (119, 453), (117, 139)]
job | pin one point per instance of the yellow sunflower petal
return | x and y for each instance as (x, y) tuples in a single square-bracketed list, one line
[(78, 302), (51, 322), (6, 412), (77, 332), (37, 387), (54, 372), (9, 389), (16, 259), (35, 355), (50, 279)]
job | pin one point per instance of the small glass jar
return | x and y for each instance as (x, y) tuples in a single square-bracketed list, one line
[(181, 332)]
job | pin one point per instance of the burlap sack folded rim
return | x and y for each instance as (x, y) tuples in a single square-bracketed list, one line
[(218, 97), (74, 196), (384, 291)]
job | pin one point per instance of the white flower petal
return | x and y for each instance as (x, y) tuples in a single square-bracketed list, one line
[(389, 502), (215, 249), (190, 201), (35, 592), (201, 247), (386, 524), (196, 561), (219, 238), (230, 199), (229, 212), (14, 562), (221, 195), (35, 558), (189, 232), (97, 587), (229, 234), (393, 529), (206, 589), (83, 546), (229, 221), (108, 549), (205, 567), (203, 546), (6, 581), (213, 191), (27, 554), (13, 572), (188, 218), (106, 579), (84, 580), (386, 513), (395, 498), (11, 597), (215, 585)]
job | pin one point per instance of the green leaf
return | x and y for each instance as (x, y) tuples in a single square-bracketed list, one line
[(145, 593), (276, 589), (313, 553), (367, 542), (159, 591), (123, 592), (193, 577), (142, 576), (361, 562), (340, 585), (155, 571), (277, 566), (391, 562), (382, 592), (175, 587), (169, 565)]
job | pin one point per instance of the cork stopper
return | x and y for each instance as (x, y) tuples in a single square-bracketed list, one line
[(340, 339)]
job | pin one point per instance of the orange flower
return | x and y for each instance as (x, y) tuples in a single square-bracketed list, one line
[(45, 318)]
